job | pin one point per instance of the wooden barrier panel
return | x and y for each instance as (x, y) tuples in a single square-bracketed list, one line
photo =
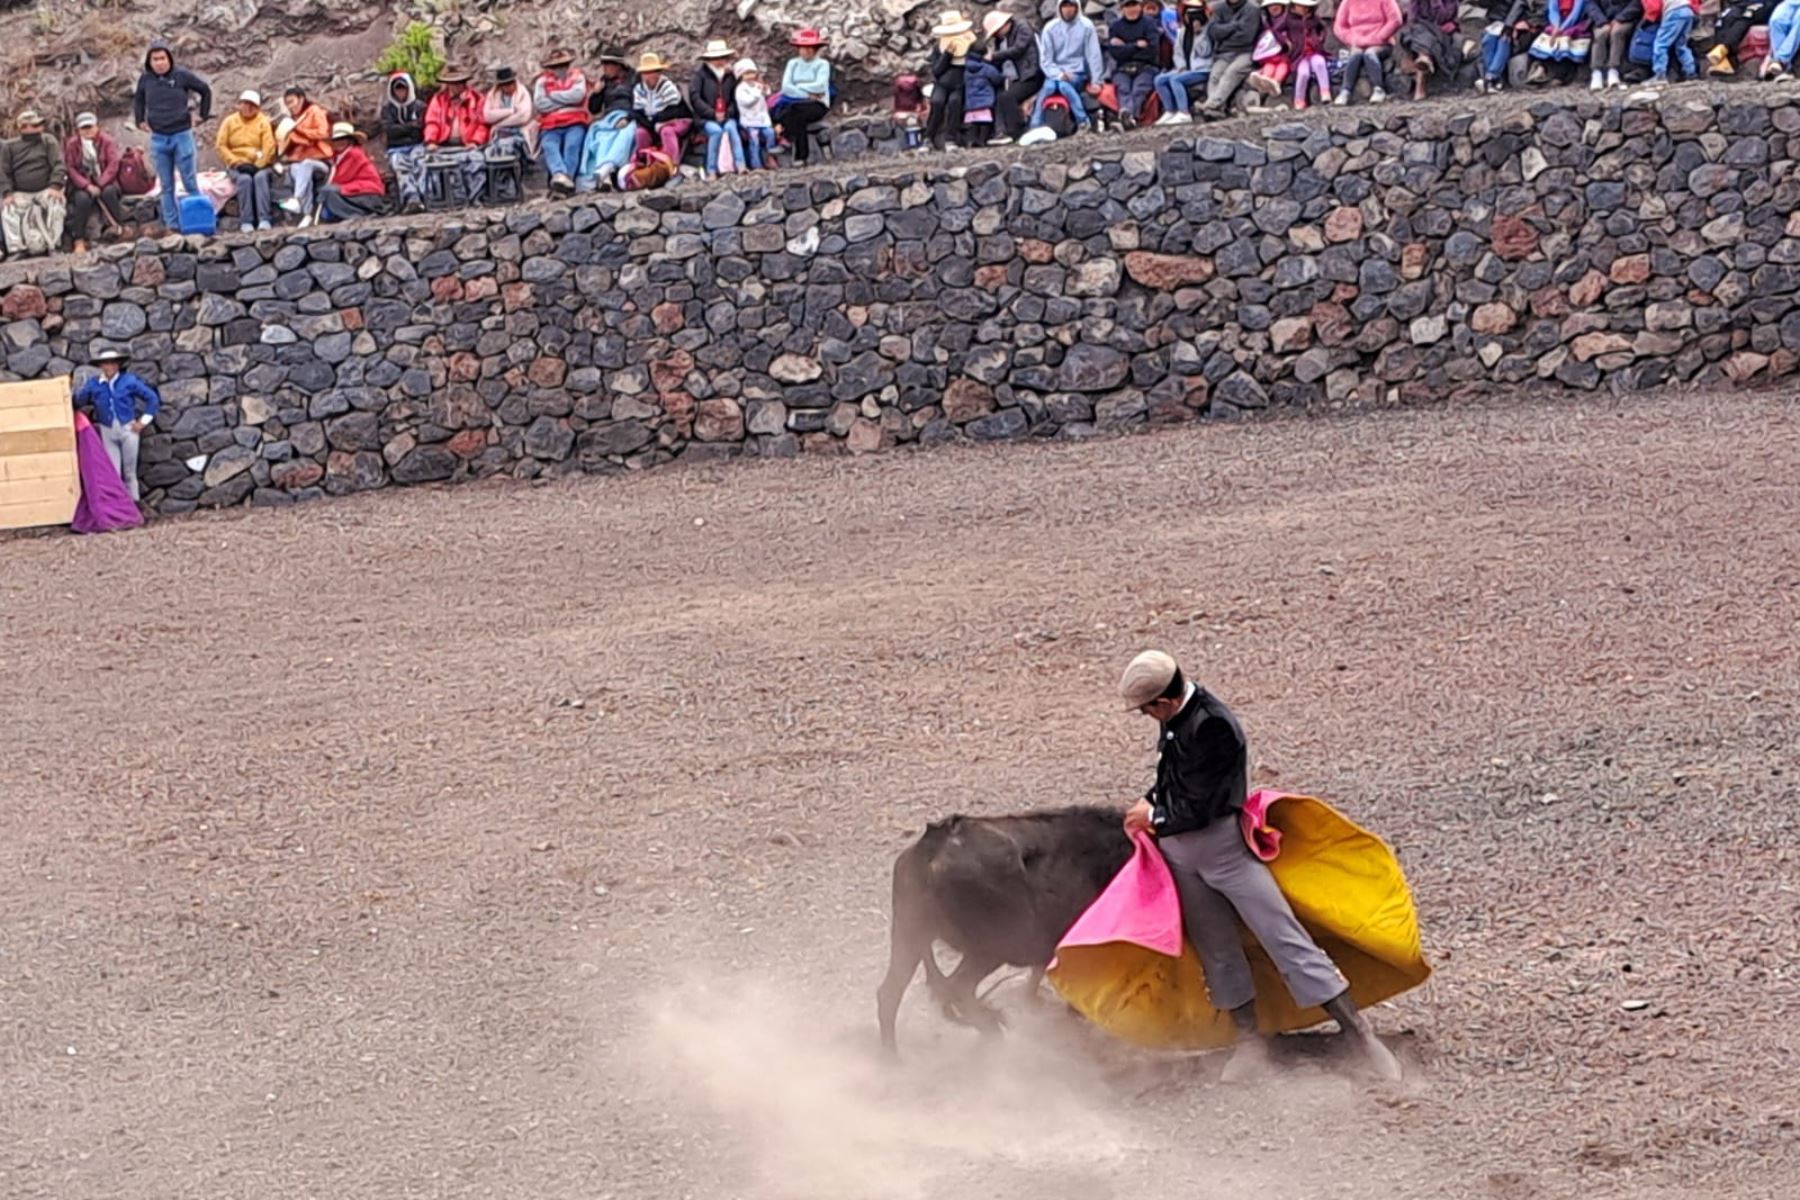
[(39, 480)]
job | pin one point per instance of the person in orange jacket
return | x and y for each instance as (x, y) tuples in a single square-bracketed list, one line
[(305, 151), (355, 189), (454, 127)]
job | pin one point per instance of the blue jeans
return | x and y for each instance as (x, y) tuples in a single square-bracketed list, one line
[(1673, 31), (562, 149), (723, 129), (1496, 52), (1173, 87), (1784, 32), (759, 144), (1070, 90), (171, 153)]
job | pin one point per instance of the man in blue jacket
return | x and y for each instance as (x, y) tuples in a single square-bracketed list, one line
[(123, 406), (1069, 55), (161, 105)]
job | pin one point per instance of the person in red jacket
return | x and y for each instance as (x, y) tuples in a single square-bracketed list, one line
[(355, 188), (92, 159), (454, 127)]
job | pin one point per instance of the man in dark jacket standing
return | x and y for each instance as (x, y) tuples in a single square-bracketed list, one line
[(1012, 47), (1233, 30), (1135, 43), (162, 106), (1202, 781), (32, 175)]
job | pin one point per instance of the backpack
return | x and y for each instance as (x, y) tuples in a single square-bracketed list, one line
[(1057, 116), (135, 178), (647, 169)]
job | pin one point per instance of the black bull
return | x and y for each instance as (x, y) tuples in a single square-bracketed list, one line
[(1001, 891)]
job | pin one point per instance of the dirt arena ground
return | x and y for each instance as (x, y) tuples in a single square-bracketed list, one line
[(532, 841)]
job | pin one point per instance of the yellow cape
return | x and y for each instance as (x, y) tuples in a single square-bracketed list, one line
[(1346, 887)]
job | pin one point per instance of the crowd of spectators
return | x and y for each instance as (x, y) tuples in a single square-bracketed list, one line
[(629, 123)]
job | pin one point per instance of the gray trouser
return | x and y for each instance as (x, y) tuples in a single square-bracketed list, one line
[(1228, 75), (1220, 880), (252, 195), (309, 175), (122, 447)]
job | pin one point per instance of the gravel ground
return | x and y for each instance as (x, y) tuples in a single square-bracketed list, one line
[(532, 841)]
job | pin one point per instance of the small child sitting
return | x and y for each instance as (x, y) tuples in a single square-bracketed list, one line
[(753, 115)]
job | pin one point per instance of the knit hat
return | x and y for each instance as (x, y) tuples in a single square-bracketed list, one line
[(745, 66), (1146, 678)]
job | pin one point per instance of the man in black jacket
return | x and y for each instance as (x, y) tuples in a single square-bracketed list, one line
[(1233, 29), (161, 105), (1135, 43), (1202, 781), (1013, 47)]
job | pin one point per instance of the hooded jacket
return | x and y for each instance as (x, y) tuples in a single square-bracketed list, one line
[(982, 82), (30, 163), (1017, 46), (161, 101), (402, 121), (1071, 48), (106, 152), (1365, 24), (1193, 46)]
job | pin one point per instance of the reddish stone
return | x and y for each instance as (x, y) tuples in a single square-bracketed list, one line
[(1033, 250), (465, 367), (433, 345), (515, 296), (680, 408), (24, 302), (990, 278), (482, 287), (1514, 239), (667, 317), (1332, 324), (1343, 224), (468, 443), (719, 420), (820, 443), (148, 272), (965, 399), (352, 318), (1588, 289), (295, 474), (864, 437), (1290, 335), (1343, 293), (547, 372), (670, 374), (1493, 318), (1549, 302), (1167, 272), (1413, 260), (1632, 268), (446, 288)]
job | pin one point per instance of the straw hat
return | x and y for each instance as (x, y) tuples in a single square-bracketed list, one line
[(1146, 678), (716, 48), (951, 22), (808, 37), (345, 131), (30, 116), (453, 74), (994, 22), (559, 57), (651, 61), (250, 96)]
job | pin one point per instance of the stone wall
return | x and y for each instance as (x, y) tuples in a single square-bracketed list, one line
[(1375, 254)]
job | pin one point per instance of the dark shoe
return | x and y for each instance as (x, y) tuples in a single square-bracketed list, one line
[(1377, 1057), (1249, 1059)]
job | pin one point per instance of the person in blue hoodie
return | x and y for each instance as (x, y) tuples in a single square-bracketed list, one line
[(1069, 55), (982, 84), (164, 104), (123, 407)]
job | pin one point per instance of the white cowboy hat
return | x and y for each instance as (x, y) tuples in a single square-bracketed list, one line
[(717, 48), (951, 22), (994, 22)]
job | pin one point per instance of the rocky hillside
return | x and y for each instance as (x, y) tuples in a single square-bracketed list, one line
[(67, 55)]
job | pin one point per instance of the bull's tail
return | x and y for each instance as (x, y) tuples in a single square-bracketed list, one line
[(909, 942)]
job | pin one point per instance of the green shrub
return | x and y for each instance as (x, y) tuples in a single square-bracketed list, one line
[(415, 52)]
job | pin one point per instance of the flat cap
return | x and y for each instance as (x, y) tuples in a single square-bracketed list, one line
[(1146, 677)]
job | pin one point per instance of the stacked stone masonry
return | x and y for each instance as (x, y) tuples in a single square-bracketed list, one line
[(1372, 255)]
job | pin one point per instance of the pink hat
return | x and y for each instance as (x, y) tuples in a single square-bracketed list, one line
[(809, 37)]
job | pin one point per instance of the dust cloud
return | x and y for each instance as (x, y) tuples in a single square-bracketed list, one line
[(818, 1115)]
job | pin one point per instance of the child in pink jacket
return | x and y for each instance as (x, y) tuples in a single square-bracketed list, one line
[(1365, 27)]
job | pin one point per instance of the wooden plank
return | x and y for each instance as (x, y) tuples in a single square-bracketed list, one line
[(51, 440), (39, 481)]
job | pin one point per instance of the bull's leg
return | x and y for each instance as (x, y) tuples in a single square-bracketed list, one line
[(960, 988), (905, 949)]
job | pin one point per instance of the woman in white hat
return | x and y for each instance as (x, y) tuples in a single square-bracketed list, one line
[(246, 145), (955, 33), (713, 97)]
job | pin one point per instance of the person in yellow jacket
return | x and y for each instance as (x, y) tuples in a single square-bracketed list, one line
[(246, 146)]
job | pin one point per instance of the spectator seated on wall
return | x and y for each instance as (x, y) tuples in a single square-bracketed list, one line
[(612, 130), (456, 131), (246, 146), (305, 153), (355, 188), (33, 206), (510, 116), (560, 97), (93, 160), (403, 128)]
